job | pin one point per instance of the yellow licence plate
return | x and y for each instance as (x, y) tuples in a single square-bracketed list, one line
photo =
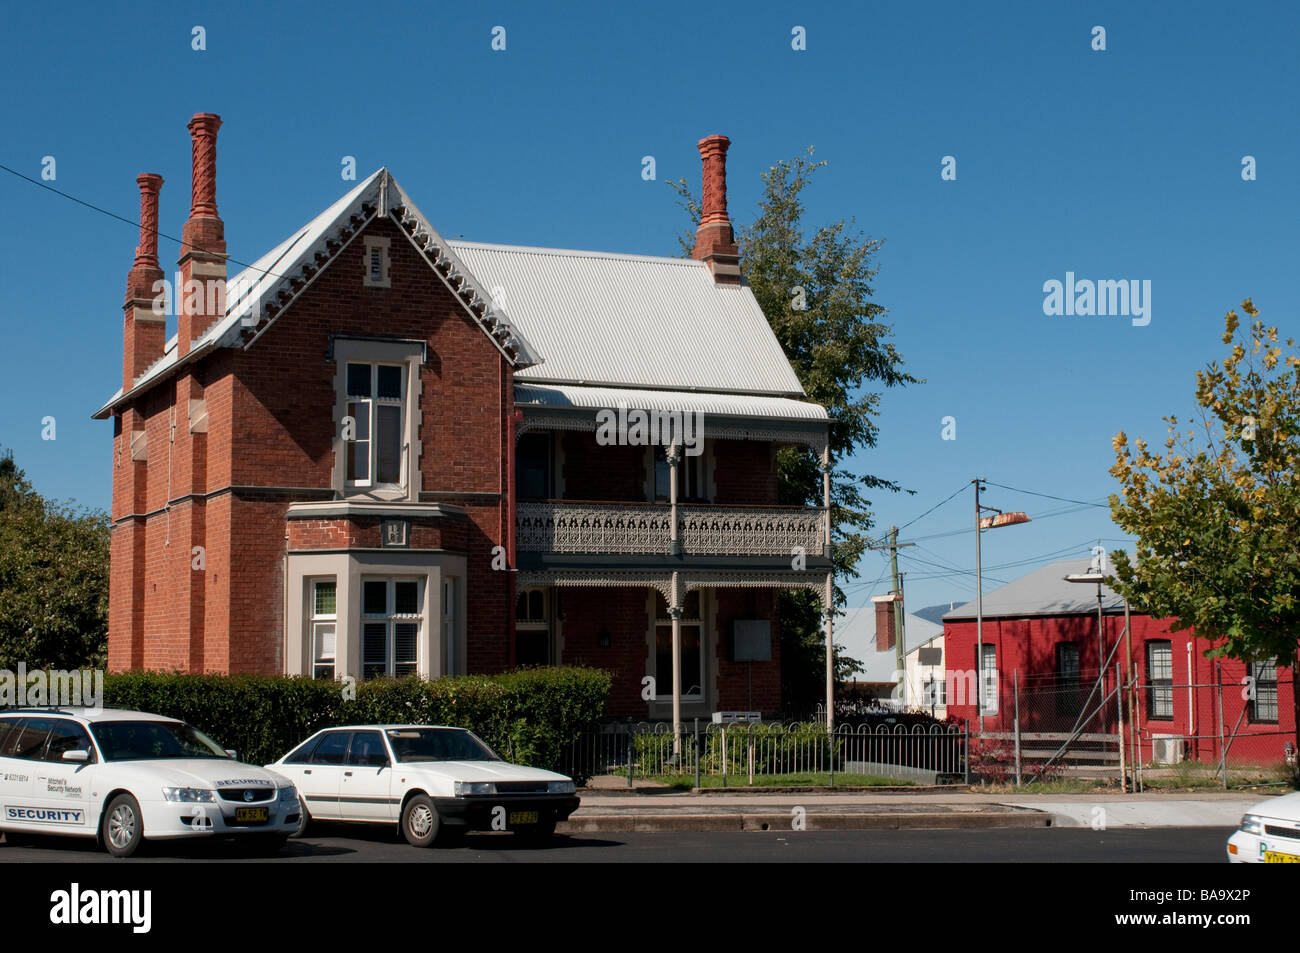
[(1277, 857), (251, 815), (530, 817)]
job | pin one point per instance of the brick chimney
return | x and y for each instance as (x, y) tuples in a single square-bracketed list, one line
[(203, 241), (143, 330), (884, 626), (715, 242)]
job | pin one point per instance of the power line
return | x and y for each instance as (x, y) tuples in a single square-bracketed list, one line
[(933, 508), (103, 211), (1047, 495)]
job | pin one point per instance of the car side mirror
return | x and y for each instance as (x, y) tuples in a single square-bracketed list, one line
[(76, 754), (230, 753)]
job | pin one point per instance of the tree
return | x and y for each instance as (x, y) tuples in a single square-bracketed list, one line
[(1217, 516), (53, 579), (815, 290)]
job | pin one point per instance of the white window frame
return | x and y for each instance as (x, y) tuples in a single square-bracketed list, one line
[(318, 623), (989, 680), (372, 403), (391, 619), (409, 355)]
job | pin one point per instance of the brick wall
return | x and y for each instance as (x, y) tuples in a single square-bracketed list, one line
[(270, 424)]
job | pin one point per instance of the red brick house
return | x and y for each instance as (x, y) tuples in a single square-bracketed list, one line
[(1043, 631), (378, 452)]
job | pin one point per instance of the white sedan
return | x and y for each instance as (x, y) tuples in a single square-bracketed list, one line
[(1269, 833), (122, 777), (432, 780)]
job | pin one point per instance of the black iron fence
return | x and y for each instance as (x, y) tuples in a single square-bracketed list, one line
[(771, 753)]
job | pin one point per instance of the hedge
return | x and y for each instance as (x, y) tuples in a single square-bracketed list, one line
[(529, 716)]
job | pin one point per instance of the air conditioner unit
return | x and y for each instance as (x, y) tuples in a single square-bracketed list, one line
[(1167, 749), (731, 717)]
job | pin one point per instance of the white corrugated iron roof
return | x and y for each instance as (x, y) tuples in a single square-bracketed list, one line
[(629, 321), (1043, 592), (721, 405), (633, 320)]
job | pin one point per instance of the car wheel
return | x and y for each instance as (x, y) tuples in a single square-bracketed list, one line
[(420, 822), (122, 827), (304, 821), (537, 835)]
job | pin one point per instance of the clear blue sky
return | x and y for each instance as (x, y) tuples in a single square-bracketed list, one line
[(1123, 164)]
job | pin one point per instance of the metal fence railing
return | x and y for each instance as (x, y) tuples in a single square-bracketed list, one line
[(772, 753)]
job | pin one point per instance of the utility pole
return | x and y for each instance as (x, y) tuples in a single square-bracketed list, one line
[(896, 591)]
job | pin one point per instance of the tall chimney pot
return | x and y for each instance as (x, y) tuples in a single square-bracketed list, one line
[(715, 241)]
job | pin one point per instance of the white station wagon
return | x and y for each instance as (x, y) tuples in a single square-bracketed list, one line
[(433, 780), (122, 777)]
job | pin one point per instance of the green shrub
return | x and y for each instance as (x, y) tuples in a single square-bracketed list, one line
[(529, 716)]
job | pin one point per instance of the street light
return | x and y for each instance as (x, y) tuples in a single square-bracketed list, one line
[(982, 523)]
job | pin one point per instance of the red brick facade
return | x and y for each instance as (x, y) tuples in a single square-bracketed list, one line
[(229, 514)]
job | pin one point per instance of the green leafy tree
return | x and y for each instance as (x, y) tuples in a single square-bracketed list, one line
[(1217, 515), (814, 286), (53, 578)]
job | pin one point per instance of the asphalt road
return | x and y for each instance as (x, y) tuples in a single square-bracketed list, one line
[(343, 844)]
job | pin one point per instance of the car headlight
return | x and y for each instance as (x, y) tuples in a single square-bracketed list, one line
[(289, 795), (1252, 824), (559, 787), (466, 788), (188, 795)]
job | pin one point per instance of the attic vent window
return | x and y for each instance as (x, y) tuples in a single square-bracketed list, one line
[(376, 262)]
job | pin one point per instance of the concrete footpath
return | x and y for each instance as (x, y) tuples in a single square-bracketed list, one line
[(609, 811)]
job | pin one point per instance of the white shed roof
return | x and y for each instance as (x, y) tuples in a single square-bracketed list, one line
[(632, 321)]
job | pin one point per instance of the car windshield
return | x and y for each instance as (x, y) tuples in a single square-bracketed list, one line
[(146, 740), (438, 744)]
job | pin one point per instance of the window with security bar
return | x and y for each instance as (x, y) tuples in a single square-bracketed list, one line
[(391, 621), (1263, 706), (1160, 680)]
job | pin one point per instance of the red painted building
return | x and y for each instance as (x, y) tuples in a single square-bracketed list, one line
[(1042, 632), (379, 452)]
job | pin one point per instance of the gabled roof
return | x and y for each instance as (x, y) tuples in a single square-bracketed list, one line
[(601, 320), (1043, 592), (257, 295), (612, 320)]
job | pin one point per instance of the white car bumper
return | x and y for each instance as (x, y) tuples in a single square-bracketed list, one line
[(170, 819), (1244, 848)]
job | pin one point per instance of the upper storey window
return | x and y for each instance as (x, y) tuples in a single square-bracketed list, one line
[(376, 397)]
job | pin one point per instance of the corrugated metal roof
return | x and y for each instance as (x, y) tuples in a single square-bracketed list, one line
[(633, 320), (624, 320), (722, 405), (1043, 592)]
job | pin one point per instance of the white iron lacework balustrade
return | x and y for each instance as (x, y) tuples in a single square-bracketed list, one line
[(573, 527)]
